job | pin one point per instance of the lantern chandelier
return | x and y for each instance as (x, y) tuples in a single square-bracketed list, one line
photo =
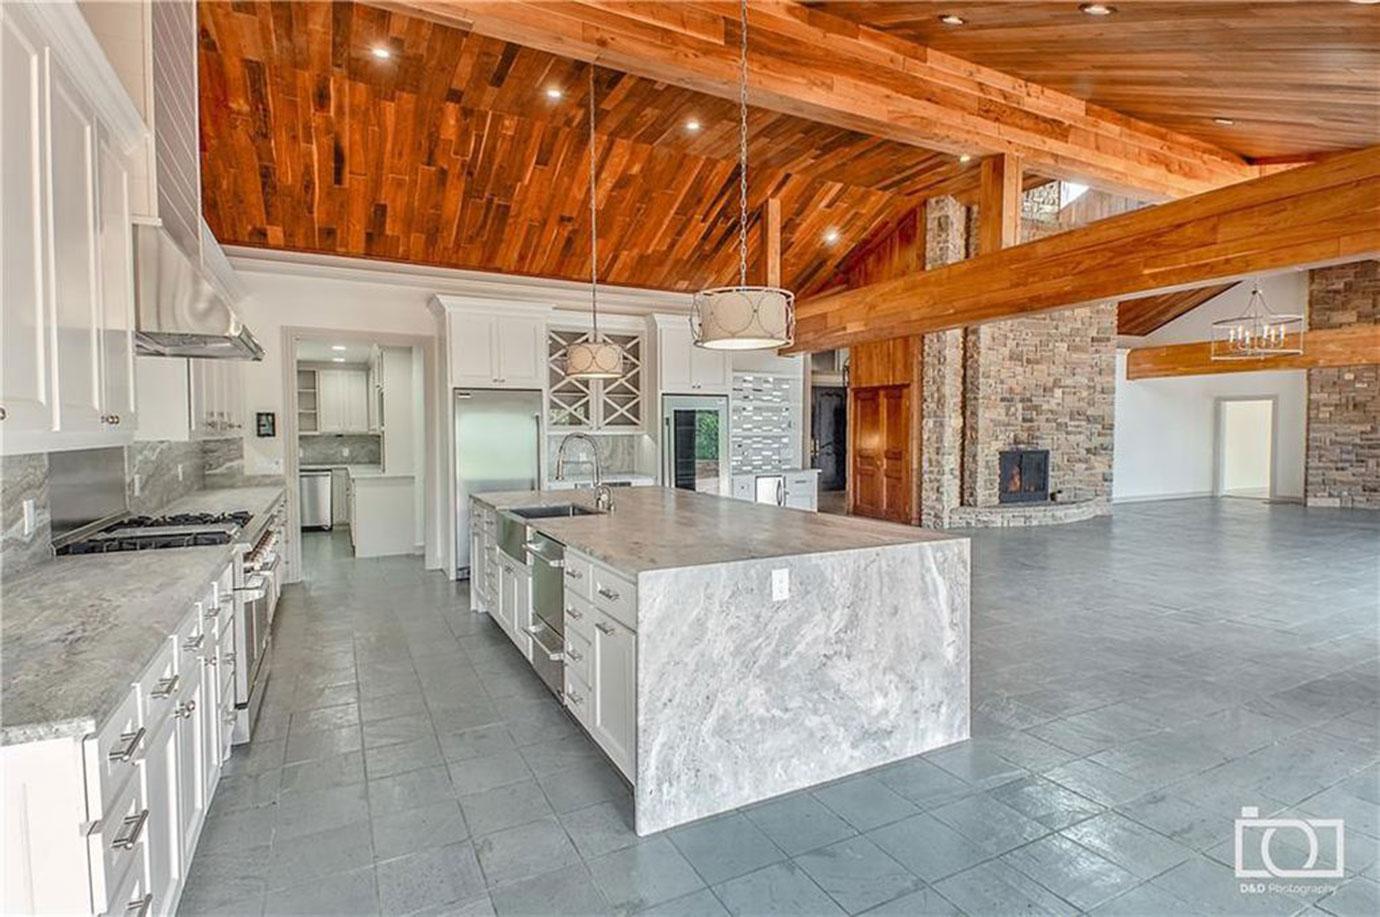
[(595, 358), (743, 317), (1257, 333)]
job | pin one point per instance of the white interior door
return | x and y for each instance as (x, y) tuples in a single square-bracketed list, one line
[(1246, 448)]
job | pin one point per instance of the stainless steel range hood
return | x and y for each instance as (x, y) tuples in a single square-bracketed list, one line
[(179, 311)]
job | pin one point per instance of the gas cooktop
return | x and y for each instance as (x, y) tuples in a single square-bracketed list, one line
[(145, 533)]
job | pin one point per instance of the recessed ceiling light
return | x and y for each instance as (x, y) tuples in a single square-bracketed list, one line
[(951, 19), (965, 158), (1225, 122), (339, 347), (554, 93), (831, 236), (692, 125), (1097, 9), (381, 52), (337, 359)]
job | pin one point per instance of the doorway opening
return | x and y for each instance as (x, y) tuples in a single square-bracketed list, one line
[(829, 436), (1245, 447)]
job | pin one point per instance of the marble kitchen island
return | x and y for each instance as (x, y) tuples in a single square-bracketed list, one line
[(775, 649)]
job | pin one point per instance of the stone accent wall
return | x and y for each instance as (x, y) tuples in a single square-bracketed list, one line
[(1343, 458), (941, 423), (1047, 382)]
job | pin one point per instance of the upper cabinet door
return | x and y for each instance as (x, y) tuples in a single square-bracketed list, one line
[(25, 387), (709, 370), (520, 345), (472, 349), (116, 255), (674, 358), (71, 199)]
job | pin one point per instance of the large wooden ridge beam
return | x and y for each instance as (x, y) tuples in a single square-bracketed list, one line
[(1353, 345), (809, 63), (1325, 213)]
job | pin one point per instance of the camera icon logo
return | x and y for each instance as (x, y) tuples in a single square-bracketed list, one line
[(1309, 838)]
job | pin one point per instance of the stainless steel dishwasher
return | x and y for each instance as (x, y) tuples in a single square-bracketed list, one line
[(314, 488)]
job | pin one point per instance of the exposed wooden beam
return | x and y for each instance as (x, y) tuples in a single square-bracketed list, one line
[(999, 203), (1326, 213), (1148, 313), (810, 63), (771, 242), (1352, 345)]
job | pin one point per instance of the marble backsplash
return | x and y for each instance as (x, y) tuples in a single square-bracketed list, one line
[(23, 477), (212, 463), (617, 455), (342, 449)]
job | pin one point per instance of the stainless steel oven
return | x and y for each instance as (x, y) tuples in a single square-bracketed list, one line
[(258, 572)]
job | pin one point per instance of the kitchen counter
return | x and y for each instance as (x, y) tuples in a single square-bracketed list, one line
[(776, 649), (654, 528), (79, 630)]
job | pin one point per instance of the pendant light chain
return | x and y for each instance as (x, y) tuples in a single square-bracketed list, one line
[(742, 142), (593, 217)]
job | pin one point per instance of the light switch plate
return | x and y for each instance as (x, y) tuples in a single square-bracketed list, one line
[(138, 484), (780, 584), (179, 471), (30, 522)]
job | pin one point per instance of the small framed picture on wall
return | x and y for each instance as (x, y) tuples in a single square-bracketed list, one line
[(266, 424)]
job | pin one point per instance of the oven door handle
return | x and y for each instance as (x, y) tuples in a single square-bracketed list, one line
[(534, 631)]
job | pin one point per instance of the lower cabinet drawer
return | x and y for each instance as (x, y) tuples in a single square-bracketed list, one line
[(130, 897), (579, 699), (158, 687), (113, 755), (577, 654), (616, 596), (118, 844), (579, 617)]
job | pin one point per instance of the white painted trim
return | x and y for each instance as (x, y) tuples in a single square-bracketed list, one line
[(1155, 498), (65, 31), (481, 287)]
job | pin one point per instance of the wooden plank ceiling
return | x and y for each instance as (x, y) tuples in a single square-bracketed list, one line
[(1149, 313), (1297, 76), (450, 153)]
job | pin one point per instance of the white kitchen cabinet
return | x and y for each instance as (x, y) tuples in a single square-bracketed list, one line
[(514, 602), (161, 774), (613, 405), (342, 398), (685, 369), (216, 398), (67, 380), (491, 350), (613, 713), (802, 490)]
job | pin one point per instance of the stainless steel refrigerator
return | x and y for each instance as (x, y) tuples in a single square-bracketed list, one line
[(498, 446)]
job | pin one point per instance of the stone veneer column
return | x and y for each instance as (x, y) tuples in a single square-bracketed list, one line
[(1342, 467), (942, 377)]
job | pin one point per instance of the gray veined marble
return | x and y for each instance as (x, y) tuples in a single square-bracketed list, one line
[(741, 697), (23, 477), (155, 464)]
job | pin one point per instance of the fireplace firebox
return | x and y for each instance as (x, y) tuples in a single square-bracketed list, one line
[(1024, 476)]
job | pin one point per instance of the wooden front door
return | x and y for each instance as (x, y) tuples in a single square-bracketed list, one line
[(881, 454)]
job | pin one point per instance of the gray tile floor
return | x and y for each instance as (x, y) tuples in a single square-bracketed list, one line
[(1135, 682)]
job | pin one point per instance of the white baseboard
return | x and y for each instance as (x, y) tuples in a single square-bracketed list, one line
[(1150, 498)]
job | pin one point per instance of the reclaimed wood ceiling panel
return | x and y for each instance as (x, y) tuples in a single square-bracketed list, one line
[(1297, 76), (1150, 313), (450, 153)]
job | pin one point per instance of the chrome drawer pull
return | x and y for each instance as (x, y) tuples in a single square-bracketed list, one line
[(212, 610), (574, 653), (133, 827), (210, 660), (166, 688), (229, 658), (573, 613), (608, 593), (132, 741), (574, 698), (140, 907), (194, 643), (603, 628), (574, 574), (185, 710)]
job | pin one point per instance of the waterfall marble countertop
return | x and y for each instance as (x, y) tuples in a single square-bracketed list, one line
[(78, 631), (659, 528)]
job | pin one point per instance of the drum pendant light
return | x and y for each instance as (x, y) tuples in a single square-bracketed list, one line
[(743, 317), (595, 358)]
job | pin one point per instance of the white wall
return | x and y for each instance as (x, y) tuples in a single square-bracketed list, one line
[(1166, 428)]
